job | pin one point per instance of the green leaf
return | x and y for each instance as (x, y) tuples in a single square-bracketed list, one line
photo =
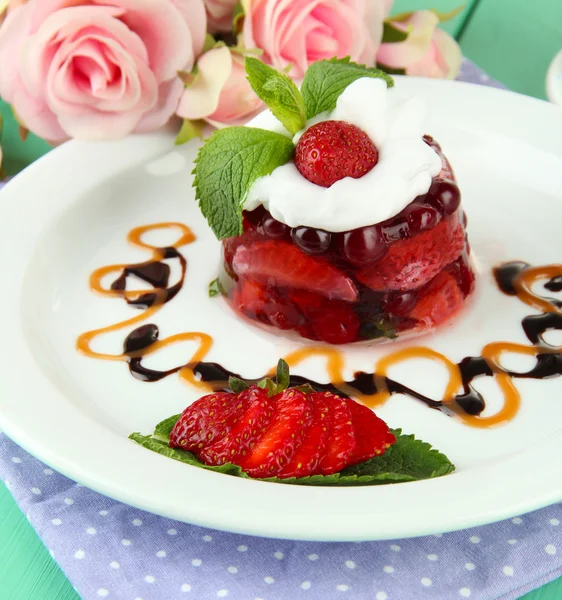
[(282, 377), (227, 165), (451, 14), (268, 385), (215, 288), (391, 70), (190, 130), (238, 18), (209, 43), (407, 460), (279, 93), (237, 385), (325, 81), (392, 34), (164, 428)]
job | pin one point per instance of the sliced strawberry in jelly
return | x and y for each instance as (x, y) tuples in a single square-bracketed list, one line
[(283, 264), (411, 263), (372, 435), (439, 301)]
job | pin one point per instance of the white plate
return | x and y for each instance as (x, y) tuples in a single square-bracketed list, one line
[(69, 213)]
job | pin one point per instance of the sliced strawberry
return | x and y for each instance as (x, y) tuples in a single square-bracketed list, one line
[(256, 416), (372, 434), (283, 264), (439, 301), (307, 456), (342, 442), (206, 421), (411, 263), (250, 298), (287, 429)]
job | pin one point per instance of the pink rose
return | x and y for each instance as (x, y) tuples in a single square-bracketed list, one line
[(97, 69), (300, 32), (220, 14), (427, 52), (220, 94)]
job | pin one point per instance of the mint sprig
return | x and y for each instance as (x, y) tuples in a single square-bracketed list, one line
[(279, 92), (326, 80), (225, 168), (408, 459)]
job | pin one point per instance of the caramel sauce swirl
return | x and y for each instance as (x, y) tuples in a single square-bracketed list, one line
[(460, 399)]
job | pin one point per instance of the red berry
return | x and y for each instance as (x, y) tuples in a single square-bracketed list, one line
[(332, 150), (363, 246), (422, 217), (310, 240), (336, 324), (243, 434), (273, 228), (395, 229), (291, 420), (282, 264), (253, 218), (399, 303), (445, 196), (410, 264), (438, 302)]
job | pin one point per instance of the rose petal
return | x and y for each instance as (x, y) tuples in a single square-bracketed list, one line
[(167, 37), (38, 117), (194, 14), (201, 99), (13, 33), (168, 98), (450, 51), (416, 47)]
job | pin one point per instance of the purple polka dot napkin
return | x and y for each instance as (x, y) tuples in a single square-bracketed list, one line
[(111, 550)]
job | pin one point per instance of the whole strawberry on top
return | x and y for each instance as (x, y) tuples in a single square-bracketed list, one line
[(272, 430), (340, 220)]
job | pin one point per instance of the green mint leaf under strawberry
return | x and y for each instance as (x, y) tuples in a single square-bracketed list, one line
[(408, 459), (227, 165), (326, 80), (279, 93), (274, 432)]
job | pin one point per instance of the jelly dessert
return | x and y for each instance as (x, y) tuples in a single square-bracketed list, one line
[(356, 232)]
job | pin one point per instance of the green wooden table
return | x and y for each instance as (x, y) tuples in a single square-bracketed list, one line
[(513, 41)]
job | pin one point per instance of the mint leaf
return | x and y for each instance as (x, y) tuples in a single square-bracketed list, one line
[(225, 168), (215, 288), (325, 81), (279, 92), (164, 428), (407, 460)]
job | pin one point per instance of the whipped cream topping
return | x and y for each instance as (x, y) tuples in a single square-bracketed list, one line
[(404, 170)]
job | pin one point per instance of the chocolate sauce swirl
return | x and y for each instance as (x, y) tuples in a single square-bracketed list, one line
[(513, 278)]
